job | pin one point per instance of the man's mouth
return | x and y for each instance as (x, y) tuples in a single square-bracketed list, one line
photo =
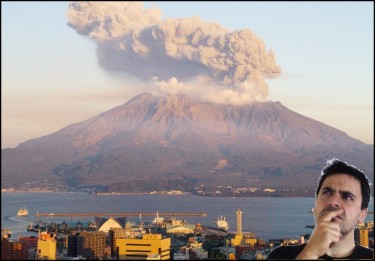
[(338, 217)]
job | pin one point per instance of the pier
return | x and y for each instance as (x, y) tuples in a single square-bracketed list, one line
[(168, 214)]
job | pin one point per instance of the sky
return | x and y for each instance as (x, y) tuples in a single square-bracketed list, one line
[(59, 66)]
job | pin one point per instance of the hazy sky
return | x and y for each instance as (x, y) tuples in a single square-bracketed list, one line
[(316, 58)]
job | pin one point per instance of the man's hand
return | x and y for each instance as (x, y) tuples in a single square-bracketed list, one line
[(324, 236)]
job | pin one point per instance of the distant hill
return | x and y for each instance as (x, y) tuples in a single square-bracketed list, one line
[(172, 142)]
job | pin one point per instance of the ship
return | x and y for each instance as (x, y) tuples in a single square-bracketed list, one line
[(6, 233), (23, 212), (248, 255), (221, 223), (32, 228), (158, 220), (39, 225)]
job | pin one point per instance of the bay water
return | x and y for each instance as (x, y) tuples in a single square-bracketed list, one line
[(267, 217)]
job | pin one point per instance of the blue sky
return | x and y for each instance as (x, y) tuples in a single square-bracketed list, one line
[(51, 77)]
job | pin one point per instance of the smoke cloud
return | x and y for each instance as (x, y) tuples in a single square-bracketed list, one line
[(177, 55)]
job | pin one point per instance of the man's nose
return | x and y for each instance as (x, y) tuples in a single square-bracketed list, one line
[(335, 201)]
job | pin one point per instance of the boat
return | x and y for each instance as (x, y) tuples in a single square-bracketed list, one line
[(221, 223), (248, 255), (32, 228), (39, 225), (6, 233), (158, 220), (310, 226), (23, 212)]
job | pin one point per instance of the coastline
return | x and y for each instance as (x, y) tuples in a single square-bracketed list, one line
[(177, 193), (261, 193), (266, 194)]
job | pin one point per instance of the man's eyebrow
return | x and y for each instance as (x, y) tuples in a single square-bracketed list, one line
[(346, 193), (328, 189), (342, 192)]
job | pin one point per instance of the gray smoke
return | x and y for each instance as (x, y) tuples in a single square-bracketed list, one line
[(176, 55)]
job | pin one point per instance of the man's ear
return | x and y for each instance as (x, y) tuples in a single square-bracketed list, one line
[(363, 215)]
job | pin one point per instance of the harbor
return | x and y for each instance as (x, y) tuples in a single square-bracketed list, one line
[(106, 214), (256, 218)]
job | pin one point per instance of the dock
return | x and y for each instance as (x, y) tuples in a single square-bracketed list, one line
[(105, 214)]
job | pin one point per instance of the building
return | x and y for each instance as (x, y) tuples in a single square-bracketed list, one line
[(194, 250), (240, 239), (361, 236), (105, 224), (74, 245), (180, 229), (31, 244), (93, 244), (46, 246), (113, 235), (142, 248), (13, 250)]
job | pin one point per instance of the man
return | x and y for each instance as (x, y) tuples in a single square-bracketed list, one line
[(341, 202)]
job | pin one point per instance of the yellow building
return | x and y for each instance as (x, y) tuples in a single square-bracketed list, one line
[(142, 248), (361, 236), (243, 240), (46, 246), (240, 239)]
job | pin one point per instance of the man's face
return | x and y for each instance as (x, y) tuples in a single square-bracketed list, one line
[(341, 191)]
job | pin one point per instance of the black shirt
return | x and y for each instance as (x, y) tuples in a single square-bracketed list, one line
[(291, 252)]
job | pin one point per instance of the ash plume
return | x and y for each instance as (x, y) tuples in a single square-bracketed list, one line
[(186, 55)]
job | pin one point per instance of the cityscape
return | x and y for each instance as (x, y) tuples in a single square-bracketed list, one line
[(167, 237)]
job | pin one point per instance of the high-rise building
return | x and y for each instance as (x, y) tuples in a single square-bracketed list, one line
[(93, 244), (149, 246), (239, 221), (13, 250), (74, 245), (46, 246), (31, 243), (361, 236), (115, 233)]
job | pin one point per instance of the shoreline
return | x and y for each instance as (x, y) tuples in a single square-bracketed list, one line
[(182, 193), (262, 195)]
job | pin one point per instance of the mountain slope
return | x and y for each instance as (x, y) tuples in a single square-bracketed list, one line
[(172, 138)]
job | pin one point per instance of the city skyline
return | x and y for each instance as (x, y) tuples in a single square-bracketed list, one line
[(52, 77)]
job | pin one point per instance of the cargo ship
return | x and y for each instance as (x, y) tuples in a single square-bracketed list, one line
[(221, 223)]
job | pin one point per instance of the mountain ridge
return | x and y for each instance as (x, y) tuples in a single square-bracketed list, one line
[(173, 138)]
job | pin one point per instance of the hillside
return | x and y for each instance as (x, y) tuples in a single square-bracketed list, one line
[(172, 141)]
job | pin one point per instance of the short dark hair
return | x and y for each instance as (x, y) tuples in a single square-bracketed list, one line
[(335, 166)]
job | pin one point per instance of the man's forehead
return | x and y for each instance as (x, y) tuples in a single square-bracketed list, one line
[(342, 181)]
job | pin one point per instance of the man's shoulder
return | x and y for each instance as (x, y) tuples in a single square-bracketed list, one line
[(361, 252), (286, 252)]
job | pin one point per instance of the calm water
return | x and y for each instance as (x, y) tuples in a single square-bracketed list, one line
[(268, 218)]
